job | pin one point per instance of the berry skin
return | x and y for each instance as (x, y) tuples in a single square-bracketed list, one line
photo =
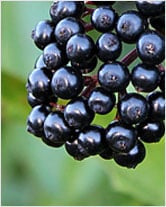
[(109, 47), (86, 66), (113, 76), (80, 48), (36, 120), (158, 23), (56, 129), (162, 81), (43, 33), (53, 57), (133, 108), (156, 101), (151, 131), (76, 150), (103, 19), (67, 82), (78, 114), (91, 139), (150, 8), (130, 25), (131, 159), (38, 84), (151, 48), (101, 101), (145, 78), (39, 63), (107, 153), (120, 138), (51, 143), (61, 9), (66, 28)]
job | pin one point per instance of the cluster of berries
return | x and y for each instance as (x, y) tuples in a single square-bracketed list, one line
[(77, 77)]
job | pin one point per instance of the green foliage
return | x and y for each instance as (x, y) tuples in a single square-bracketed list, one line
[(35, 174)]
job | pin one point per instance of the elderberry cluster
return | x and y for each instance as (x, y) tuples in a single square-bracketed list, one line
[(77, 76)]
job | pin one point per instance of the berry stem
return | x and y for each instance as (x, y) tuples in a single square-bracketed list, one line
[(57, 106), (161, 68), (88, 27), (130, 57), (87, 12)]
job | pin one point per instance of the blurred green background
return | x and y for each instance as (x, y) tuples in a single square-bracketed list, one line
[(35, 174)]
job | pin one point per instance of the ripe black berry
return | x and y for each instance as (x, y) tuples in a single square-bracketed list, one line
[(67, 82), (43, 33), (133, 108), (80, 48), (103, 19), (56, 129), (145, 78), (130, 25), (66, 28), (162, 81), (38, 84), (78, 114), (53, 57), (113, 76), (156, 101), (120, 137), (39, 63), (131, 159), (61, 9), (151, 131), (36, 120), (101, 101), (109, 47), (151, 48)]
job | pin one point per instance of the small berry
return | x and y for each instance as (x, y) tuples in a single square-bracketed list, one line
[(120, 137), (162, 81), (133, 108), (39, 63), (101, 101), (67, 82), (113, 76)]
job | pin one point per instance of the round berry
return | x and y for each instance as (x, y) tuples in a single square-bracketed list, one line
[(67, 82), (66, 28), (101, 101), (36, 120), (120, 138), (91, 139), (131, 159), (53, 57), (56, 129), (162, 81), (156, 101), (103, 19), (61, 9), (80, 48), (158, 23), (130, 25), (43, 33), (151, 48), (145, 78), (133, 108), (150, 8), (51, 143), (151, 131), (78, 114), (39, 63), (113, 76), (107, 153), (109, 47), (38, 84)]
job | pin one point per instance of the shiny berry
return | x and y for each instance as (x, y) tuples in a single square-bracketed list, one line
[(103, 19), (101, 101), (56, 129), (156, 101), (78, 114), (131, 159), (162, 81), (67, 82), (113, 76), (120, 137), (109, 47), (39, 63), (133, 108), (151, 131), (151, 48), (130, 25), (43, 33), (145, 78), (36, 120)]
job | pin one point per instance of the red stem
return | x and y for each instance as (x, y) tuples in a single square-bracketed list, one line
[(130, 57)]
